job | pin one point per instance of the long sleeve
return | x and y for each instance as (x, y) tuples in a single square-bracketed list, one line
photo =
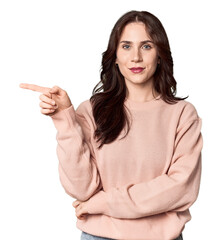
[(176, 190), (77, 166)]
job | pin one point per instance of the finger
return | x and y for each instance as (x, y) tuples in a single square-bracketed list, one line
[(46, 99), (83, 216), (77, 206), (47, 111), (80, 216), (48, 106), (57, 90), (34, 87), (76, 203), (80, 211)]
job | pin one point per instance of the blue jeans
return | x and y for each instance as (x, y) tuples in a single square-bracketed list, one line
[(87, 236)]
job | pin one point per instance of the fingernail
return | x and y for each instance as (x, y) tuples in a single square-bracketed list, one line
[(53, 102)]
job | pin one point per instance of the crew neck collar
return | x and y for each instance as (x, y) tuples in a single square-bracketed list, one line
[(142, 105)]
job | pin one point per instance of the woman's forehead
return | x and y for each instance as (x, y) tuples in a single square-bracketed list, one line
[(135, 32)]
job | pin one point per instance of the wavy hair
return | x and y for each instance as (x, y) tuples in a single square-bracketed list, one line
[(107, 100)]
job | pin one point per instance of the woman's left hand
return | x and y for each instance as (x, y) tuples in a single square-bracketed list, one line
[(81, 209)]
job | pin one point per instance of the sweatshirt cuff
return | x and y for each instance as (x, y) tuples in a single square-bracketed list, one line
[(97, 203), (66, 115)]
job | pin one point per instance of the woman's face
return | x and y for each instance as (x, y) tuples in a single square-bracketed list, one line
[(136, 53)]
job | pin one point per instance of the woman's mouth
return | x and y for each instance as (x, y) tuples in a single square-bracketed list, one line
[(136, 70)]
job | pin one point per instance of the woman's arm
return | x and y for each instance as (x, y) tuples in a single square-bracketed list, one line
[(175, 191), (77, 166)]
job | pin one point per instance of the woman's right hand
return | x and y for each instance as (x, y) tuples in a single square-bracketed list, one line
[(53, 99)]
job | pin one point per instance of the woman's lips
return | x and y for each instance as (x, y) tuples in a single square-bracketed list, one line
[(136, 70)]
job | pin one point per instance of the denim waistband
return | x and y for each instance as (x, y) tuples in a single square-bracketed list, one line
[(88, 236)]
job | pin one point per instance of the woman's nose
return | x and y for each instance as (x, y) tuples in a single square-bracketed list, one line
[(136, 57)]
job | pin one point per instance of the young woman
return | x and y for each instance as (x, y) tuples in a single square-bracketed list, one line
[(131, 154)]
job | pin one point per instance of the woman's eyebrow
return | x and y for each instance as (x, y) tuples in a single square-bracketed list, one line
[(140, 42)]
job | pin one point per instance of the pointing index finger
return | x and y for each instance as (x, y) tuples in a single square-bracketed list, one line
[(34, 87)]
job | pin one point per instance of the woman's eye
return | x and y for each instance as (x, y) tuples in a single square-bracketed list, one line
[(125, 46), (148, 46)]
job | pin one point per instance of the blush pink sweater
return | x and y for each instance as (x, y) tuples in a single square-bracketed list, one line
[(139, 187)]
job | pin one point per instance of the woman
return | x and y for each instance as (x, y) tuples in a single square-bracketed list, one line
[(136, 182)]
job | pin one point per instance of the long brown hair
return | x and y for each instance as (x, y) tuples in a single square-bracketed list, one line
[(108, 107)]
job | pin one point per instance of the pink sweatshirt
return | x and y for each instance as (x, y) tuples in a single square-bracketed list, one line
[(140, 187)]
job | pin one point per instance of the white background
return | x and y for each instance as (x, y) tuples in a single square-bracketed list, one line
[(60, 43)]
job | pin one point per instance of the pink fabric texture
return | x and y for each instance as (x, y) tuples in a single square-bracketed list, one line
[(139, 187)]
